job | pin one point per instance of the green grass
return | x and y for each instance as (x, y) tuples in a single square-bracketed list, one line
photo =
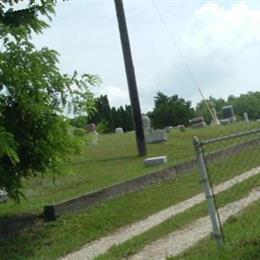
[(179, 221), (241, 236), (112, 161)]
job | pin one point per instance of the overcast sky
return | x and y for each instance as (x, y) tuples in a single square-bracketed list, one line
[(219, 40)]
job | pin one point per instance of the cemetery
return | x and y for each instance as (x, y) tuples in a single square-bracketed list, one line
[(85, 175), (112, 161)]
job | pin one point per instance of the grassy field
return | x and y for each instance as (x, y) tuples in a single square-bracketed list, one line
[(179, 221), (241, 236), (113, 160)]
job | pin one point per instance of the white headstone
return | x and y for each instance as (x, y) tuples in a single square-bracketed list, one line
[(146, 122), (155, 160), (155, 136), (246, 117), (119, 130), (3, 196), (168, 129), (93, 138), (181, 128), (215, 119)]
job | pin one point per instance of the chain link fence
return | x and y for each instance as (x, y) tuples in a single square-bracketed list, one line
[(230, 175)]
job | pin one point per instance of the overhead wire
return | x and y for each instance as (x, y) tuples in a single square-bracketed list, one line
[(188, 68)]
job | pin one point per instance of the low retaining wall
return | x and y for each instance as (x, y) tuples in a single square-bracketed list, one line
[(51, 212)]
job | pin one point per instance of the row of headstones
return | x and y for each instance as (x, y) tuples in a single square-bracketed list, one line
[(159, 135), (229, 117)]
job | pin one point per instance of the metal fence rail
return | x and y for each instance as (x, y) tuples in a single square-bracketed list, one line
[(226, 158)]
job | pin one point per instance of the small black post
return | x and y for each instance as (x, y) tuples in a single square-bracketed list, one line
[(130, 73)]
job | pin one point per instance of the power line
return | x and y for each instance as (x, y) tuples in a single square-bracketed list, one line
[(188, 68)]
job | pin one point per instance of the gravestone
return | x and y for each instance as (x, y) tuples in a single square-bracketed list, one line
[(146, 123), (198, 122), (155, 160), (93, 133), (225, 121), (181, 128), (246, 117), (94, 138), (215, 120), (119, 130), (228, 113), (91, 128), (155, 136), (3, 196), (168, 129)]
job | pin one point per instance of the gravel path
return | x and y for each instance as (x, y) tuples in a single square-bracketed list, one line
[(100, 246), (181, 240)]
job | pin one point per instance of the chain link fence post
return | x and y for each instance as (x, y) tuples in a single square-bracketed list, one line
[(205, 181)]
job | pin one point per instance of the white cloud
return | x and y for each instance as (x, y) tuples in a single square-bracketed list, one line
[(213, 26), (222, 48), (116, 95), (219, 40)]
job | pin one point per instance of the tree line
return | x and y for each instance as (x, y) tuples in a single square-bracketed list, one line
[(245, 103), (168, 110), (35, 136), (105, 117)]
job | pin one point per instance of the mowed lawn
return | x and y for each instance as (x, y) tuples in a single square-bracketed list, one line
[(113, 160)]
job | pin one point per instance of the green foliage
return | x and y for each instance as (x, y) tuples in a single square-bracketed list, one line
[(202, 110), (34, 137), (122, 117), (112, 161), (249, 103), (79, 131), (111, 118), (103, 127), (245, 103), (22, 22), (79, 121), (170, 111)]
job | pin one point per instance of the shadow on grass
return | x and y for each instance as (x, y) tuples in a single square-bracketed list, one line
[(20, 236)]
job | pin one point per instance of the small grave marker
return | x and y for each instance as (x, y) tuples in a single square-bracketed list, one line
[(119, 130), (225, 121), (198, 122), (3, 196), (155, 136), (181, 128), (246, 117), (155, 160), (168, 129)]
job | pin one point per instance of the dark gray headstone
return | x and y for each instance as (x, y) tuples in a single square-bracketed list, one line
[(228, 113)]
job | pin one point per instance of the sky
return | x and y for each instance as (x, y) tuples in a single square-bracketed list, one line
[(219, 41)]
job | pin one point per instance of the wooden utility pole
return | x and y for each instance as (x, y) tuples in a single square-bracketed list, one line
[(130, 73)]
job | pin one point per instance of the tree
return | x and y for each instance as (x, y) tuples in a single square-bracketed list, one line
[(202, 109), (34, 137), (170, 111), (246, 103), (107, 118), (102, 113)]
